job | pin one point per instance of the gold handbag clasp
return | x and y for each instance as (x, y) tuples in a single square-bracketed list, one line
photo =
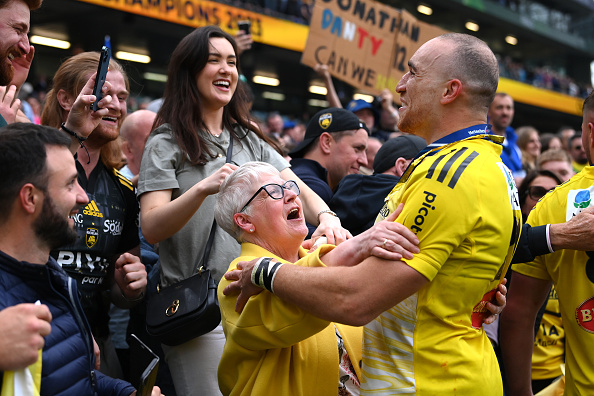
[(172, 309)]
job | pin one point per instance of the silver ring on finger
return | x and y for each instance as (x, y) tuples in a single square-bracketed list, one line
[(384, 244)]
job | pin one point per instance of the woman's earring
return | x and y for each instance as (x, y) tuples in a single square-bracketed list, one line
[(251, 230)]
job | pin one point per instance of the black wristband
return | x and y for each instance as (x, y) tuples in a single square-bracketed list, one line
[(72, 133), (79, 138)]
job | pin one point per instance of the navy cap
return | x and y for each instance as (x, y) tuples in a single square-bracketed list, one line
[(329, 120), (405, 146)]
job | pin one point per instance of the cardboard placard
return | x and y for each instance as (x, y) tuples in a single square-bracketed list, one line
[(364, 43)]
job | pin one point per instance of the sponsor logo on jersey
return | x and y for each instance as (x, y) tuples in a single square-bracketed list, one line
[(423, 212), (113, 227), (78, 218), (92, 210), (584, 315), (77, 261), (92, 237), (578, 200), (92, 280)]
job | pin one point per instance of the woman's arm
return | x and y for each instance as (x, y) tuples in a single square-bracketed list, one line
[(162, 217), (328, 224), (387, 239)]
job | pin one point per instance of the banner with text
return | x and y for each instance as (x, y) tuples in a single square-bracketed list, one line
[(197, 13), (364, 43)]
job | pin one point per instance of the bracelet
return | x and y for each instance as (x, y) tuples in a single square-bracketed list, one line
[(264, 272), (326, 211), (73, 134), (80, 141)]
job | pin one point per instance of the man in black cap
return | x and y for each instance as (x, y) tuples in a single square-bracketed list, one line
[(333, 147), (359, 198)]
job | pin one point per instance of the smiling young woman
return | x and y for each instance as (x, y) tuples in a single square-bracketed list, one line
[(183, 165)]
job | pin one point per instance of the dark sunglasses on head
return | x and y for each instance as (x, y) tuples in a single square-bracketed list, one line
[(537, 192), (274, 191)]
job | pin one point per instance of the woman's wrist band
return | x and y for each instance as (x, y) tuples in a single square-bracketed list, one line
[(264, 272), (326, 211)]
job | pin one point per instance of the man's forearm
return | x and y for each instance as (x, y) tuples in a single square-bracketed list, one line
[(353, 295)]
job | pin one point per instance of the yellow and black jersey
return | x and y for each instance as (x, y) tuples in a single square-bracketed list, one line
[(572, 273), (461, 202)]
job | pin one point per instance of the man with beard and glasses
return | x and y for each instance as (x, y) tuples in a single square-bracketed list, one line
[(14, 43), (105, 258), (39, 196)]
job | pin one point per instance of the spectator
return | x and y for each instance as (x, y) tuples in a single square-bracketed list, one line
[(569, 271), (37, 202), (501, 115), (14, 43), (183, 165), (134, 132), (529, 144), (359, 198), (333, 147), (550, 141), (534, 186), (565, 133), (558, 162), (275, 125), (105, 258), (577, 152), (373, 145)]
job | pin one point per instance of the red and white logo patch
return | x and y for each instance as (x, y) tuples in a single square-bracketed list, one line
[(584, 314)]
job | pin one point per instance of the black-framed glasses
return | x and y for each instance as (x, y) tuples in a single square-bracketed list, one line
[(275, 191), (537, 192)]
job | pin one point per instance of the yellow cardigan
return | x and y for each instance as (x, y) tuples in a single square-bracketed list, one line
[(275, 348)]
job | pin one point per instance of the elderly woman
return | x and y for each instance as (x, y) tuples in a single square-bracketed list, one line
[(273, 347)]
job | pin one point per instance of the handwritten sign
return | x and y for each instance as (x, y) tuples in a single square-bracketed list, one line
[(364, 43)]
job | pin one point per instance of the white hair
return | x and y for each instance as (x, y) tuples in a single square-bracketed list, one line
[(232, 194)]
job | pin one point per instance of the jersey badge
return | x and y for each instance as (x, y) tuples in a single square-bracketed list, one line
[(92, 237)]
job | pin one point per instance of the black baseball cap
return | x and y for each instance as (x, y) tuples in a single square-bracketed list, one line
[(329, 120), (405, 146)]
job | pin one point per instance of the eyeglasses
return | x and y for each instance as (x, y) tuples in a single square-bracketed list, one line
[(275, 191), (537, 192)]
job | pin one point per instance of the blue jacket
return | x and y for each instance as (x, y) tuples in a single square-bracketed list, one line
[(68, 359), (511, 155)]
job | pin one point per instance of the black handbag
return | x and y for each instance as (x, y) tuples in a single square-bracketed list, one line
[(189, 308)]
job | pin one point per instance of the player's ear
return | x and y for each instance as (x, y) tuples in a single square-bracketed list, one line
[(451, 91)]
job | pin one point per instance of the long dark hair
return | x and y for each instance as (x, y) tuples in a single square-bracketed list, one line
[(181, 103)]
